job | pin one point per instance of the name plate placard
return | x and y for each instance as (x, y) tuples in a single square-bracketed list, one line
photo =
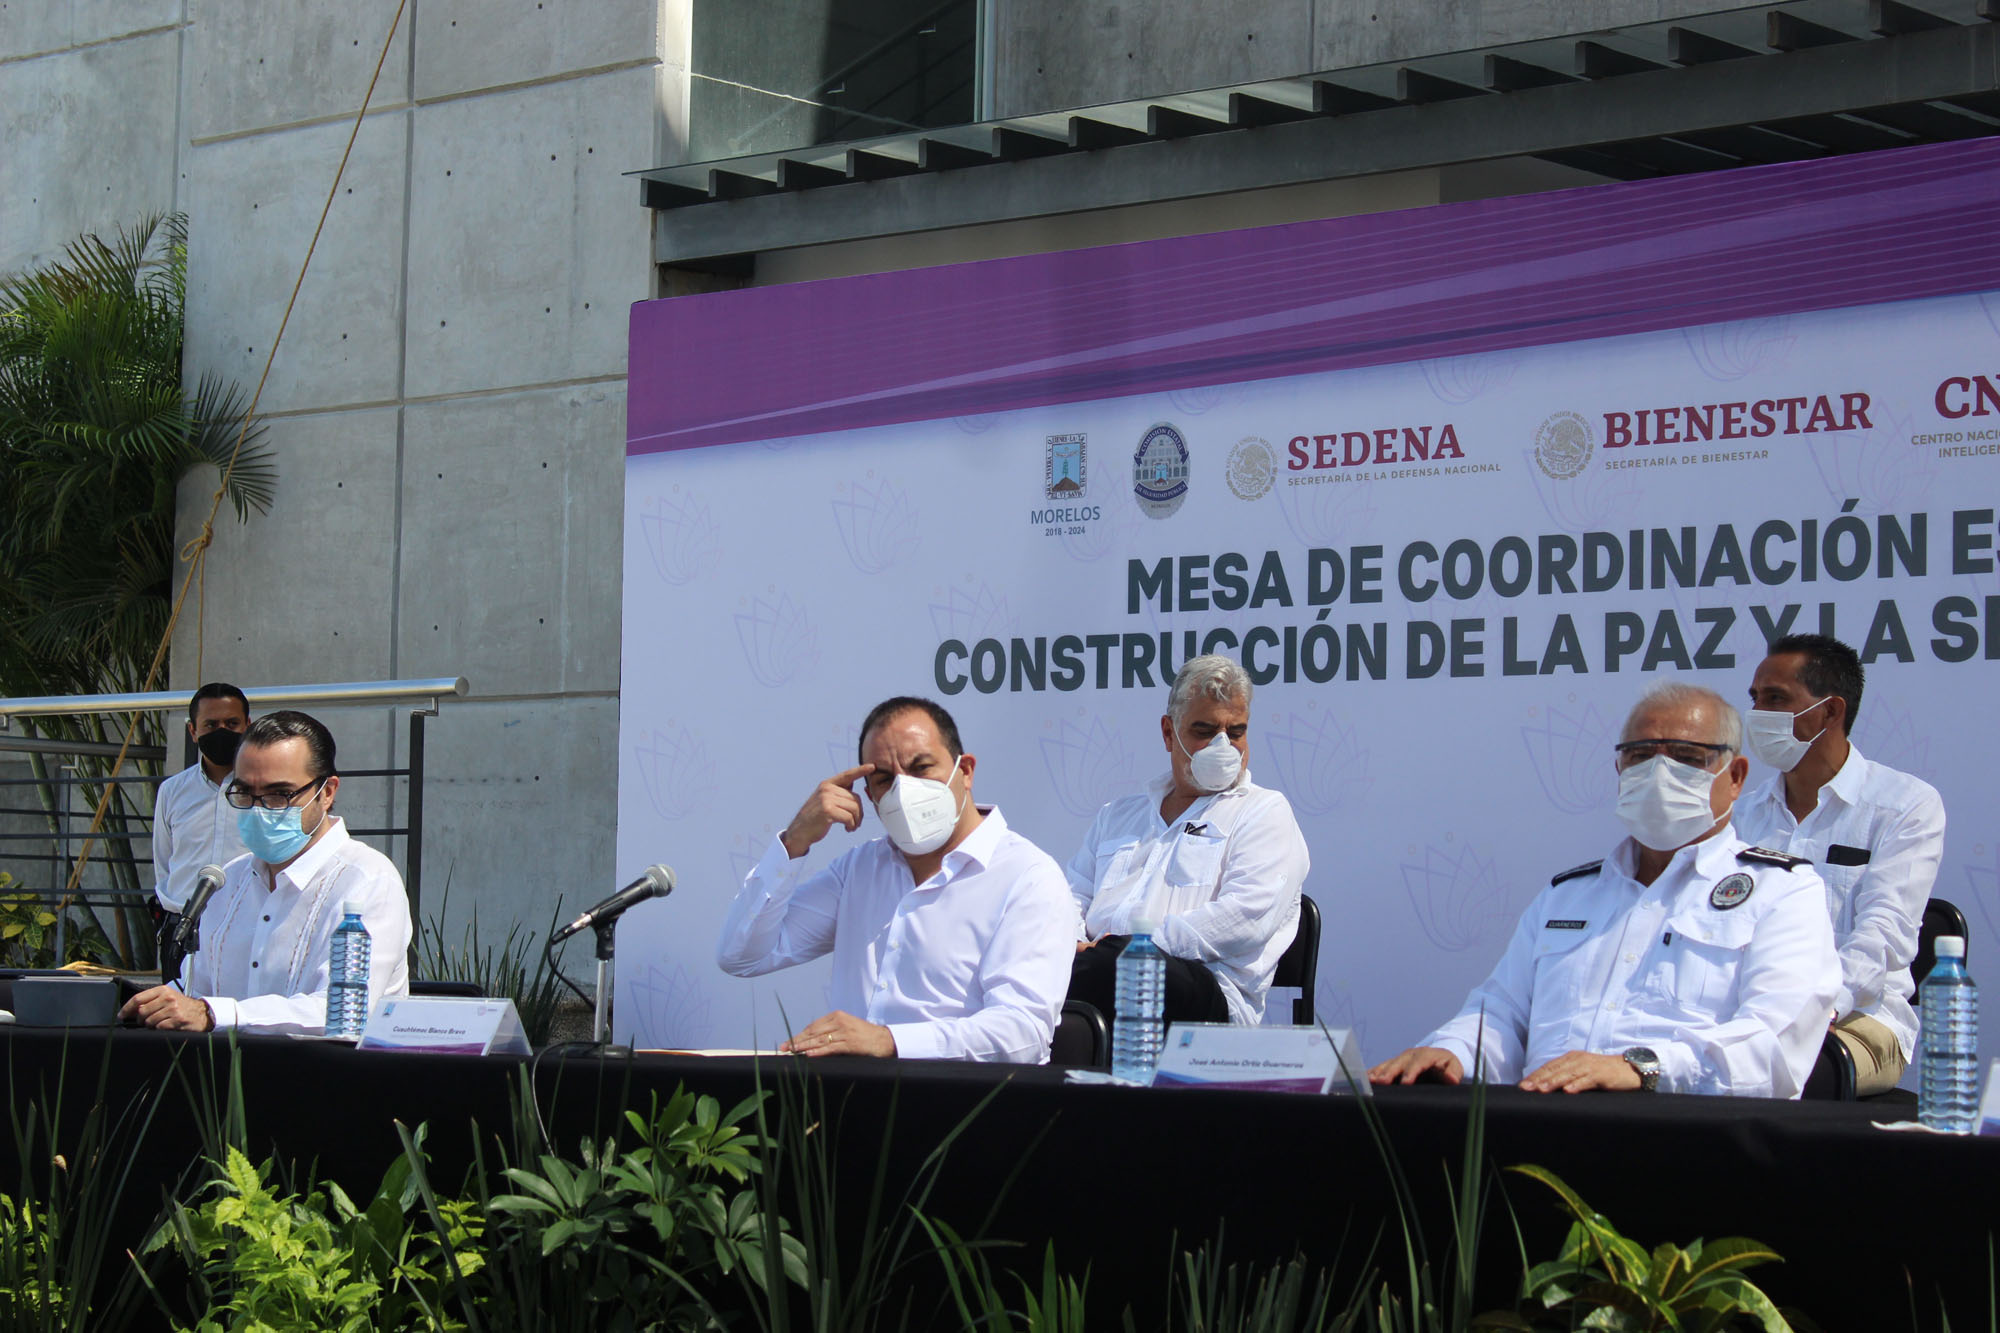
[(446, 1025), (1262, 1059)]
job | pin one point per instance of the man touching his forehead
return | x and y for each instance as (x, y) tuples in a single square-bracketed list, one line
[(951, 936)]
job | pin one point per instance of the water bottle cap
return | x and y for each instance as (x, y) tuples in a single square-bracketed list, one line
[(1950, 946), (1143, 925), (350, 907)]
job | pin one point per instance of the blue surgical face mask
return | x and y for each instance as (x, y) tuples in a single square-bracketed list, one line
[(275, 836)]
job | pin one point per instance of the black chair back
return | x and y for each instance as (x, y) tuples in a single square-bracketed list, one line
[(1941, 917), (1300, 964), (1083, 1040), (1832, 1078)]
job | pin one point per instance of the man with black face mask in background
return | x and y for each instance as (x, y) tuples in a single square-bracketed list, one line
[(192, 825), (951, 937)]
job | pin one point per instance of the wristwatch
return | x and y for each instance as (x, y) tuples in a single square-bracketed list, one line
[(1646, 1065)]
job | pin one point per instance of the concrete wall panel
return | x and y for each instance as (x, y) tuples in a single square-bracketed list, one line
[(521, 806), (254, 64), (37, 27), (253, 203), (468, 45), (1057, 53), (303, 594), (529, 245), (511, 540), (89, 138), (1361, 32)]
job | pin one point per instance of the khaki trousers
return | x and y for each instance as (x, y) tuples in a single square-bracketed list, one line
[(1878, 1058)]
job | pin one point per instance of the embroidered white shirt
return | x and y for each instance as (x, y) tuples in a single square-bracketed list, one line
[(192, 827), (971, 964), (1876, 838), (1220, 883), (1734, 999), (263, 961)]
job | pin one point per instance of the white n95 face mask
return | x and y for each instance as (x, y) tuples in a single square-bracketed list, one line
[(1664, 804), (918, 814), (1215, 766), (1771, 738)]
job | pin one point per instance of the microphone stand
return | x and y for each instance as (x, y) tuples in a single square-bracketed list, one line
[(600, 1023)]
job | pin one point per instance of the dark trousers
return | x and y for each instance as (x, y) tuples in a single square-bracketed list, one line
[(1193, 993)]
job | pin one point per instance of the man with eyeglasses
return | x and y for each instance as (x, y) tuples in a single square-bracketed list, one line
[(1686, 961), (262, 964), (1874, 834)]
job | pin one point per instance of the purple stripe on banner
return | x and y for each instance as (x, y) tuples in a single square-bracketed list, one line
[(965, 339)]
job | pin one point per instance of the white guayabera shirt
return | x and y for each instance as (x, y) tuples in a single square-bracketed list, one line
[(1723, 966), (1221, 882), (192, 827), (971, 964), (1876, 838), (263, 961)]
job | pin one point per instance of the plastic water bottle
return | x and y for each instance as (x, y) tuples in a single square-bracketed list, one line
[(1140, 1029), (347, 975), (1948, 1096)]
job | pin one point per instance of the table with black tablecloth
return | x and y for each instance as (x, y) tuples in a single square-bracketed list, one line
[(1114, 1176)]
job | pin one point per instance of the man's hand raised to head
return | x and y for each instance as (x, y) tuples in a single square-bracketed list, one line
[(832, 802)]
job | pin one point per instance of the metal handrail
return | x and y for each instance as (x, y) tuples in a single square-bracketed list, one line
[(260, 696)]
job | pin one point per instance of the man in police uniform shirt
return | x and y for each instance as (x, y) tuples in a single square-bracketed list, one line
[(264, 961), (1687, 960), (950, 937), (1210, 859), (1874, 834)]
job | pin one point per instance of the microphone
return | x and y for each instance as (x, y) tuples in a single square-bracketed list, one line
[(205, 885), (657, 882)]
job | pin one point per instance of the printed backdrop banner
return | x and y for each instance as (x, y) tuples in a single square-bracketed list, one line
[(1454, 484)]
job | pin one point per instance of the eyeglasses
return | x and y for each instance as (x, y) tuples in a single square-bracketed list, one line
[(1695, 754), (276, 798)]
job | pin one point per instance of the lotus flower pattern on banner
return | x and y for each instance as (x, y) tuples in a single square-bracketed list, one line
[(747, 849), (1983, 884), (1735, 350), (682, 537), (1318, 763), (1866, 474), (877, 524), (1888, 735), (674, 767), (1205, 398), (842, 746), (1571, 756), (1088, 764), (673, 1006), (1333, 1006), (1114, 532), (1457, 896), (1460, 379), (1592, 500), (970, 613), (1338, 514), (780, 646), (978, 425)]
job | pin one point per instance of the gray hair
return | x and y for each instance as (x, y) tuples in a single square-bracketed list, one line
[(1682, 694), (1210, 676)]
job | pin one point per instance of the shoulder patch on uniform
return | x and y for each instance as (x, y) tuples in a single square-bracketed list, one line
[(1733, 891), (1765, 856), (1587, 868)]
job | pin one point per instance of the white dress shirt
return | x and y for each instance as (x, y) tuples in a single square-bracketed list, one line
[(1893, 825), (192, 827), (265, 940), (1733, 999), (1220, 883), (971, 964)]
